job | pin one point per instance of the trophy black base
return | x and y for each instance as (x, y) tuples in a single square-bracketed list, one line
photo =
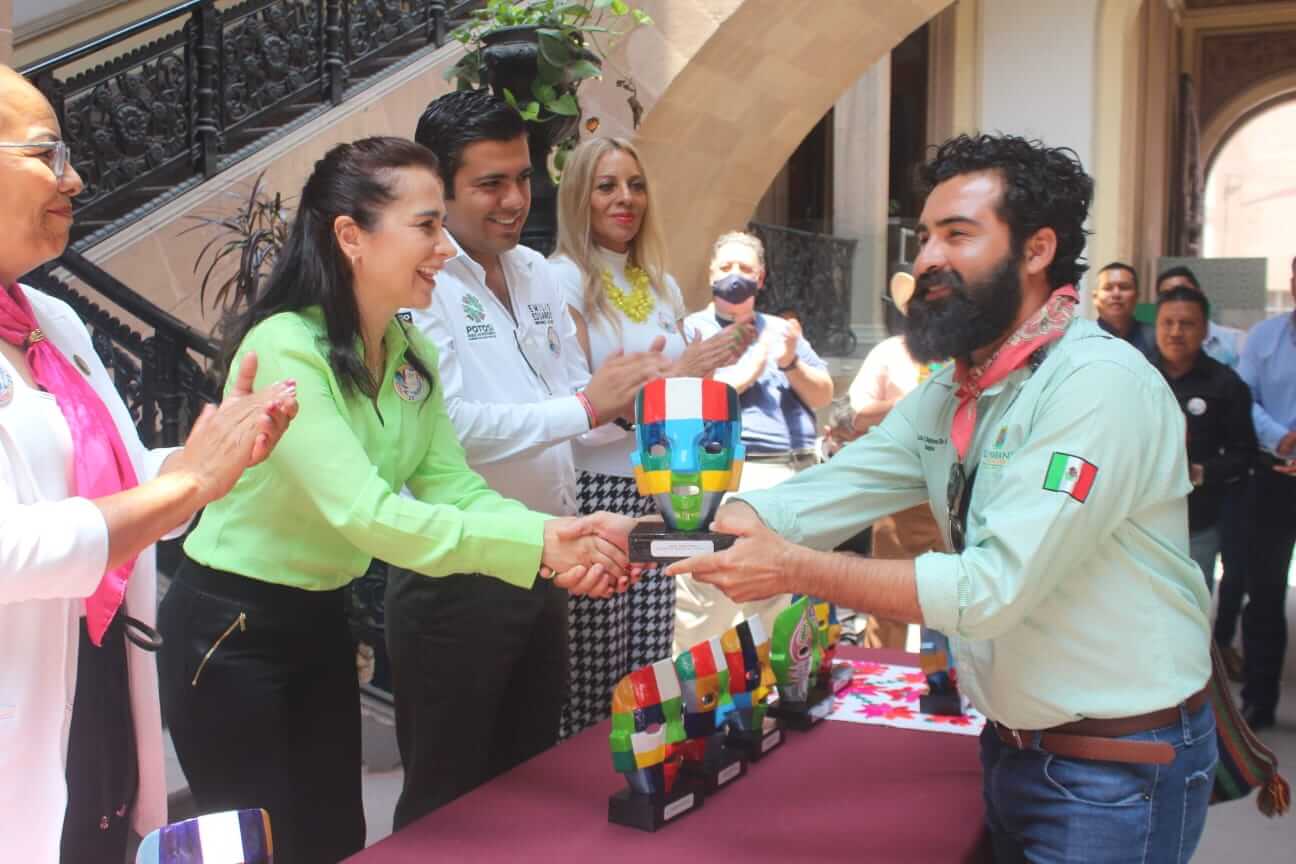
[(717, 772), (947, 702), (801, 716), (753, 744), (840, 676), (654, 542), (650, 812)]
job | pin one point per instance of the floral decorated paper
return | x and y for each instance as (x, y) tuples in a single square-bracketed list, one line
[(887, 695)]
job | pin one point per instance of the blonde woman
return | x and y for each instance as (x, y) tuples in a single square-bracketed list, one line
[(610, 265)]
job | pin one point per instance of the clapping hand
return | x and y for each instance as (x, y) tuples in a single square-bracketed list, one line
[(239, 433)]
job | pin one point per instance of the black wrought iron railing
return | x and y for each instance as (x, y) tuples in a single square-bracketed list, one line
[(809, 275), (165, 375), (211, 85)]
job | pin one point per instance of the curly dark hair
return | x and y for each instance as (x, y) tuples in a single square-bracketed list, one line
[(1043, 187)]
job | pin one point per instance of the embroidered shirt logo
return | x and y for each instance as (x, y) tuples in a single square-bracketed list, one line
[(478, 327), (555, 347), (1071, 475), (996, 456)]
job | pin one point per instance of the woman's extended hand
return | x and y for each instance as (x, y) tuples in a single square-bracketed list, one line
[(703, 356), (240, 433), (588, 553)]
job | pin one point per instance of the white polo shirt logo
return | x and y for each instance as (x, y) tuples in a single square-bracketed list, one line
[(478, 327)]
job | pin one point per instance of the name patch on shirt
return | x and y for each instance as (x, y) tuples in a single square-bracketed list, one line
[(930, 443), (541, 313)]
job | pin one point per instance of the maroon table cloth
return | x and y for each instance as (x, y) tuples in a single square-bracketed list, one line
[(840, 791)]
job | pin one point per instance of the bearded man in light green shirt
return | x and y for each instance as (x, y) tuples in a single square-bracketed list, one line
[(1052, 455)]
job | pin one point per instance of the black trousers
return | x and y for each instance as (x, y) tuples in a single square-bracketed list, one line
[(479, 672), (259, 688), (1264, 620), (1237, 527), (102, 765)]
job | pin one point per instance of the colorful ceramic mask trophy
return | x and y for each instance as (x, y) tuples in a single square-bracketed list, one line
[(796, 654), (689, 453), (647, 729), (942, 696), (751, 677), (704, 681), (832, 675)]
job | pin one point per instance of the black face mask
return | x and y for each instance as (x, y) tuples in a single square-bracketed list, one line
[(734, 289)]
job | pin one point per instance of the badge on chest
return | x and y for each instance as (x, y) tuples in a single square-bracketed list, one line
[(410, 384)]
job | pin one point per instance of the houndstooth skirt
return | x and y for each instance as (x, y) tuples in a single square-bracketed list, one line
[(611, 638)]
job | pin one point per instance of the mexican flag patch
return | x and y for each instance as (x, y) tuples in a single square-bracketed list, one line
[(1070, 474)]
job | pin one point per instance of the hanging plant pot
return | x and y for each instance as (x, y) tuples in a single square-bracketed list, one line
[(536, 64)]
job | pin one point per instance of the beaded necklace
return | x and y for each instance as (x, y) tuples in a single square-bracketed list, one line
[(639, 303)]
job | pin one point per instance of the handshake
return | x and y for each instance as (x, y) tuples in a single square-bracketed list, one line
[(588, 555)]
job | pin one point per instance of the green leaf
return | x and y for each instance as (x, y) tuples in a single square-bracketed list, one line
[(564, 105), (510, 98), (531, 111), (641, 16), (574, 10), (554, 50), (620, 7), (544, 93), (583, 69)]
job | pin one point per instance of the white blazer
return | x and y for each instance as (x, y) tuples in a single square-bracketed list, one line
[(52, 554)]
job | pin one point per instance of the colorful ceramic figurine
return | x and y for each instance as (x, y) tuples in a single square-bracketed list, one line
[(942, 696), (796, 654), (751, 677), (234, 836), (647, 729), (689, 454), (831, 676), (704, 681)]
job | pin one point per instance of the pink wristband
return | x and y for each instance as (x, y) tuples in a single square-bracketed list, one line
[(589, 408)]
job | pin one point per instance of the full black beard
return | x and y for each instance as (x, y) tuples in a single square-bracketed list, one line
[(968, 318)]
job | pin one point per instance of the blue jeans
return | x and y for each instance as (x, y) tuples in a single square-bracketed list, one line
[(1046, 808)]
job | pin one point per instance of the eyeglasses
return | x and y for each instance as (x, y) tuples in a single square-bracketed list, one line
[(60, 153), (957, 507)]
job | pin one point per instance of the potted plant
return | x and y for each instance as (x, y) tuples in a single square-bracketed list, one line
[(535, 55)]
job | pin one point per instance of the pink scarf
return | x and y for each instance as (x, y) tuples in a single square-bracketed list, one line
[(101, 464), (1044, 327)]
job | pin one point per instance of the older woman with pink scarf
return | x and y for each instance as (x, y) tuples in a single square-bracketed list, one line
[(82, 502)]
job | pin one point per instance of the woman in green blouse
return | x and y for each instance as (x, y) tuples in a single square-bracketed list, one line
[(258, 676)]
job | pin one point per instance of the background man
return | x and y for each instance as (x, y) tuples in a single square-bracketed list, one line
[(1115, 296), (1268, 366), (480, 668), (1217, 409), (781, 382), (1053, 456), (1222, 343)]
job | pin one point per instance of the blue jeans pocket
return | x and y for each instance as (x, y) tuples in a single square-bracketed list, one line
[(1100, 784)]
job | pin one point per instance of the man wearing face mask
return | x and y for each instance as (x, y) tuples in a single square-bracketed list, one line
[(781, 382)]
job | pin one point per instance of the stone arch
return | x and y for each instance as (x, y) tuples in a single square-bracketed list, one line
[(730, 89), (1235, 113)]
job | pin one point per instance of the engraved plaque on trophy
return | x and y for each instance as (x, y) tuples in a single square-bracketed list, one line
[(942, 696), (704, 682), (689, 453)]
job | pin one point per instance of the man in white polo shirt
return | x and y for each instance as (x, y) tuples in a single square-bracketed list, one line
[(479, 674)]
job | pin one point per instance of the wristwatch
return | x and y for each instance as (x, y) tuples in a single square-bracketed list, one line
[(788, 368)]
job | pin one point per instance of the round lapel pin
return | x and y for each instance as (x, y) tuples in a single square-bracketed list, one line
[(81, 364), (409, 384)]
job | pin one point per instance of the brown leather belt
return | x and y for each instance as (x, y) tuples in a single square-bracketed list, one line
[(1099, 739)]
